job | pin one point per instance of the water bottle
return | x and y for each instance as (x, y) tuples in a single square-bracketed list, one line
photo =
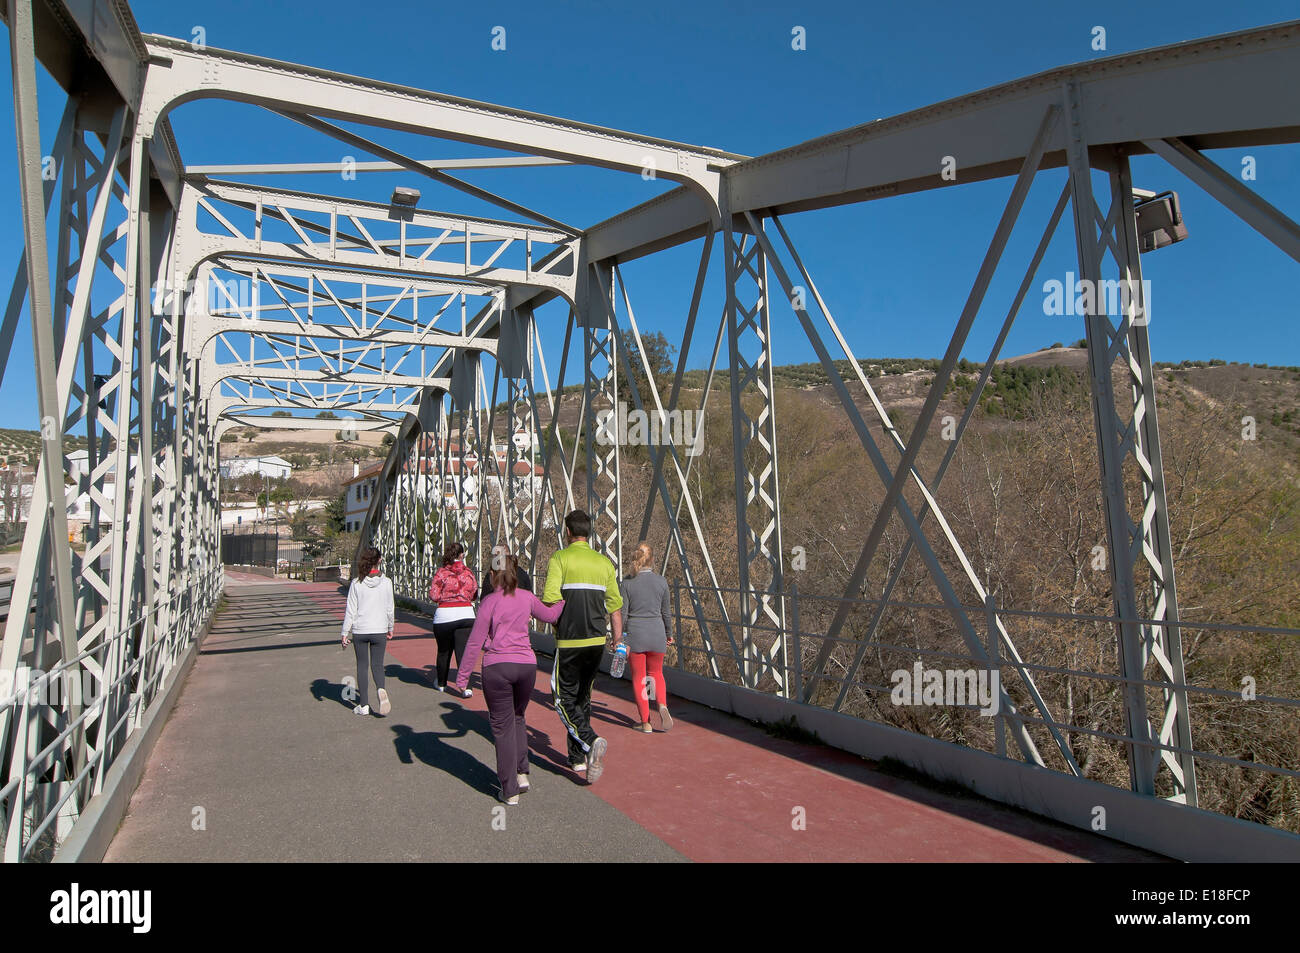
[(619, 661)]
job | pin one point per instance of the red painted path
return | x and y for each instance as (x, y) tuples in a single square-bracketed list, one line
[(717, 788)]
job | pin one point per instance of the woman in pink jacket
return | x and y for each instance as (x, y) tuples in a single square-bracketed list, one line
[(509, 670), (454, 589)]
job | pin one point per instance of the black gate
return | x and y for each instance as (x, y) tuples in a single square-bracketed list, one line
[(250, 549)]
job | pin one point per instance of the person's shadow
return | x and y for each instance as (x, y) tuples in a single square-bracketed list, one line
[(322, 689), (539, 742), (411, 676), (613, 717), (431, 748), (543, 755)]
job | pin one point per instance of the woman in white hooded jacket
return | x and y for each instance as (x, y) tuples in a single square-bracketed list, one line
[(368, 624)]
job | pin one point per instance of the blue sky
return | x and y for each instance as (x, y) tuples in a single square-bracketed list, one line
[(895, 272)]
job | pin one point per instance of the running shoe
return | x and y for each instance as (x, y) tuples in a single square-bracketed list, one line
[(596, 760), (361, 710), (665, 719), (385, 706), (580, 767), (512, 800), (523, 782)]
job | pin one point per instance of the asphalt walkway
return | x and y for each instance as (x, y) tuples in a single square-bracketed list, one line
[(263, 760)]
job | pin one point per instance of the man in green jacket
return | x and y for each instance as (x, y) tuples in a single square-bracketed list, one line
[(588, 584)]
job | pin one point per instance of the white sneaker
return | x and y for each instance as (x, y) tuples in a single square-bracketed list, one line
[(596, 760), (523, 782), (579, 767), (361, 710), (512, 800), (385, 706)]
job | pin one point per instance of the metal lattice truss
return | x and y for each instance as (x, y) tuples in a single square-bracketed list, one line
[(181, 306), (758, 489)]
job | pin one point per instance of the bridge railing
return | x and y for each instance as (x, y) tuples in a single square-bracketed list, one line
[(46, 778), (1248, 757)]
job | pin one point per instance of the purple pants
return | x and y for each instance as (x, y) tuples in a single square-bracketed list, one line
[(507, 686)]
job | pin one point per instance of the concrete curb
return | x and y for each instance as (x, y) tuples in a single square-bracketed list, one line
[(94, 830)]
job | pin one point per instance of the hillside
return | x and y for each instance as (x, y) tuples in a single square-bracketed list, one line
[(1269, 394), (24, 446)]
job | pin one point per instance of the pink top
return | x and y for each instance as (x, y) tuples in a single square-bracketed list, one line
[(453, 585), (500, 632)]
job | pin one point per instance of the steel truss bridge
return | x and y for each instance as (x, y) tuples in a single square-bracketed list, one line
[(183, 303)]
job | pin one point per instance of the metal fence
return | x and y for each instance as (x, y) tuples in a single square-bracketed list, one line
[(864, 677), (65, 730)]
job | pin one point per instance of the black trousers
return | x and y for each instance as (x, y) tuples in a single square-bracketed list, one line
[(571, 682), (451, 635)]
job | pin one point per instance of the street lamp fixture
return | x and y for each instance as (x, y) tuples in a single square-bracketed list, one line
[(1159, 219)]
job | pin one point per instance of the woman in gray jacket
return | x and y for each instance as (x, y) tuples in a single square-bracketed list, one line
[(648, 630)]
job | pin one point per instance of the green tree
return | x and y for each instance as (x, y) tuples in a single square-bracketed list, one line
[(658, 357), (336, 515)]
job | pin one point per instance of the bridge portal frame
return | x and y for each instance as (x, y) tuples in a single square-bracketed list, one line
[(158, 401)]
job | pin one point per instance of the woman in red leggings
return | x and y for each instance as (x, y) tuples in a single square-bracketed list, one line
[(648, 630)]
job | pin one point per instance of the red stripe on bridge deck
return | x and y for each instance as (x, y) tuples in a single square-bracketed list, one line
[(717, 788)]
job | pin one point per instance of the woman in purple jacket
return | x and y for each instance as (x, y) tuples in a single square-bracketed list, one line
[(509, 670)]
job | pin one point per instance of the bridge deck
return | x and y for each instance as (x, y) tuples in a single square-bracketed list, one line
[(263, 742)]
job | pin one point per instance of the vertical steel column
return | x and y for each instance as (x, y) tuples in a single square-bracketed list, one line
[(1104, 345), (553, 444), (603, 432), (23, 59), (471, 493), (46, 569), (1163, 640), (430, 497), (758, 487), (514, 358)]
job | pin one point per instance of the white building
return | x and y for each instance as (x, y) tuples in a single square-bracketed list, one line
[(356, 495), (246, 514), (277, 468), (17, 484), (79, 463)]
